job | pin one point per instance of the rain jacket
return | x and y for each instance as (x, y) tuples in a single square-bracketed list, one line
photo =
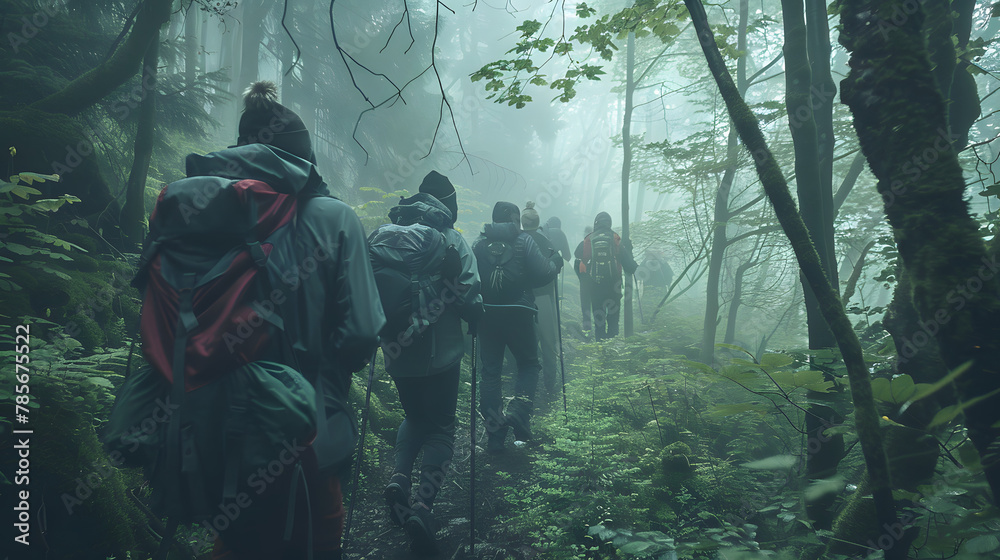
[(553, 231), (326, 278), (536, 269), (547, 249), (442, 345)]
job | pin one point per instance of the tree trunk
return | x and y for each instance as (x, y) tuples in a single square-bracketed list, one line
[(721, 212), (191, 40), (734, 304), (867, 420), (98, 82), (901, 120), (626, 168), (134, 211), (809, 101)]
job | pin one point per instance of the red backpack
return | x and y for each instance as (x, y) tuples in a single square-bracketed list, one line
[(213, 329)]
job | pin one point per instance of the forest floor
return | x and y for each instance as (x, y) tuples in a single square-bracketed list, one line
[(375, 537)]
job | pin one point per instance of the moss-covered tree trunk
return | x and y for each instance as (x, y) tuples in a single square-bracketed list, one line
[(134, 211), (901, 120), (776, 188)]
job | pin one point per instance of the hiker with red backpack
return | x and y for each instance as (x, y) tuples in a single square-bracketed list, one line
[(602, 256), (511, 265), (429, 283), (259, 303)]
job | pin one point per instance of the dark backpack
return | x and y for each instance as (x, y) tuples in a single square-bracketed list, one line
[(603, 266), (503, 285), (411, 263), (218, 401)]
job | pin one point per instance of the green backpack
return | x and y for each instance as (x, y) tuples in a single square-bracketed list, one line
[(259, 418)]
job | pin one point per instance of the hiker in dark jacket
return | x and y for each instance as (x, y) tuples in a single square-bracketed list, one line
[(548, 330), (328, 282), (585, 287), (510, 265), (553, 231), (605, 276), (426, 372)]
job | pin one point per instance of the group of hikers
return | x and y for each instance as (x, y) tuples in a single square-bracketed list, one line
[(263, 296)]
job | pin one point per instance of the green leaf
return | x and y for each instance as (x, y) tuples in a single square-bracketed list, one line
[(635, 547), (23, 191), (941, 417), (775, 463), (896, 391), (775, 360), (982, 544), (808, 379), (925, 390)]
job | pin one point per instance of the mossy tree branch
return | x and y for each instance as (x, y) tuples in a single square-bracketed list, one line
[(101, 80)]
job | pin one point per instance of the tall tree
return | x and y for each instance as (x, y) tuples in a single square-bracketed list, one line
[(626, 168), (808, 258), (134, 210), (722, 212), (901, 119)]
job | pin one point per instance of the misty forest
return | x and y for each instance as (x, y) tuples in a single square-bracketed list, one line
[(807, 359)]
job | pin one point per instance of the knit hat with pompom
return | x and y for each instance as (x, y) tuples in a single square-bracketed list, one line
[(265, 121), (529, 217)]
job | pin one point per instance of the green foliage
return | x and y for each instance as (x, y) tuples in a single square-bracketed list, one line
[(508, 79), (23, 243)]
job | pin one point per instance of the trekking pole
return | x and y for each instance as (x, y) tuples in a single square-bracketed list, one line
[(638, 299), (472, 456), (361, 451), (562, 364)]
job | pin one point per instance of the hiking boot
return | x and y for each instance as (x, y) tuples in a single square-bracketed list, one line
[(421, 527), (522, 428), (495, 440), (397, 499)]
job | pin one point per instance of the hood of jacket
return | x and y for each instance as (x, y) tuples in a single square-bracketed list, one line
[(602, 221), (505, 231), (553, 223), (421, 208), (281, 170)]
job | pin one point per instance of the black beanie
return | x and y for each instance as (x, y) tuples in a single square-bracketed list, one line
[(438, 186), (505, 212), (265, 121)]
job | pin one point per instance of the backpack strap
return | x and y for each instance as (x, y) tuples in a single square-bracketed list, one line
[(235, 432), (186, 322)]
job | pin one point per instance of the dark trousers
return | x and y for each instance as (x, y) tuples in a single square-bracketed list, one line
[(514, 328), (429, 424), (607, 305), (263, 539), (585, 290)]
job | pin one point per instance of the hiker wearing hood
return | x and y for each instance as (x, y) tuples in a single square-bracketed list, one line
[(319, 304), (511, 265), (426, 371), (545, 300), (602, 256), (553, 231)]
